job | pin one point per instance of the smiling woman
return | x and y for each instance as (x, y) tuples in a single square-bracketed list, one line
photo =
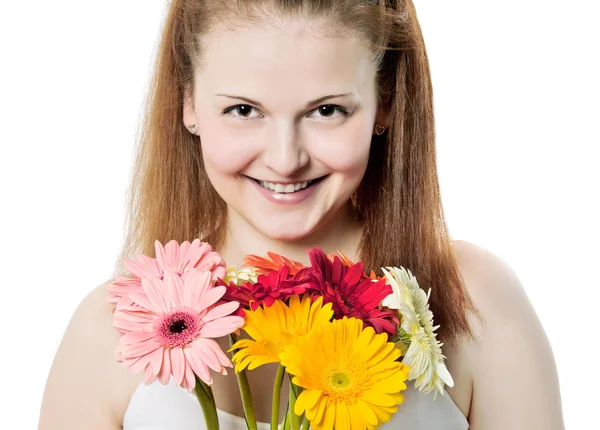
[(273, 149), (278, 125)]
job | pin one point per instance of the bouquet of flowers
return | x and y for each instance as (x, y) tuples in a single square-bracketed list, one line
[(348, 340)]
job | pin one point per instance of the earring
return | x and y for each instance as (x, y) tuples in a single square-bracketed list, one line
[(379, 129), (193, 128)]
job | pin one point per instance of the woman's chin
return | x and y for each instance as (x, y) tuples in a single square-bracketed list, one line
[(286, 234), (288, 231)]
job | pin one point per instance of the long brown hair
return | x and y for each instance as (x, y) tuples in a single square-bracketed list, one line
[(171, 197)]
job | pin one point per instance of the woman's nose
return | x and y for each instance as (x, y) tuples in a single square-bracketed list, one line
[(285, 154)]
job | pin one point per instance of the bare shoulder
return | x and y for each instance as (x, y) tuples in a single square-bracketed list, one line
[(490, 281), (511, 363), (86, 387)]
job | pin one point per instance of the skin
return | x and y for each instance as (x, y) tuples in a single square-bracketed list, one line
[(286, 140)]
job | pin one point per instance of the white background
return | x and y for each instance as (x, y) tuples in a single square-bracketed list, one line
[(517, 108)]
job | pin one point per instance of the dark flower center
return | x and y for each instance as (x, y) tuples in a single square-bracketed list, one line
[(177, 326), (177, 329)]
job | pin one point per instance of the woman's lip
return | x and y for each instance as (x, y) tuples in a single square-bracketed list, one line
[(299, 181), (287, 198)]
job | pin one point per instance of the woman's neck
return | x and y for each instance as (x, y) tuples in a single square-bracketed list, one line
[(342, 232)]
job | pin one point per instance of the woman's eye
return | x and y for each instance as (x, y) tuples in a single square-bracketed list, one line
[(327, 111), (324, 111), (243, 111)]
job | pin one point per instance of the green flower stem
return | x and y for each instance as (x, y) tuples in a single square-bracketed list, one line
[(245, 392), (211, 395), (286, 421), (206, 399), (277, 397), (294, 419), (305, 424)]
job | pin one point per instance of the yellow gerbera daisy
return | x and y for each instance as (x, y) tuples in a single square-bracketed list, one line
[(273, 328), (350, 376), (424, 352)]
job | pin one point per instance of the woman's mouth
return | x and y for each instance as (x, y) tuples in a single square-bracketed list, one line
[(289, 188), (287, 194)]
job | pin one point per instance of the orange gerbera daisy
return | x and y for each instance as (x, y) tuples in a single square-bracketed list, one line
[(274, 261)]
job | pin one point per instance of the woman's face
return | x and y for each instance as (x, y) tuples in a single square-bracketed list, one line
[(285, 122)]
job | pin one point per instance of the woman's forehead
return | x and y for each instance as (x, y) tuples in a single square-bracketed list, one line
[(283, 59)]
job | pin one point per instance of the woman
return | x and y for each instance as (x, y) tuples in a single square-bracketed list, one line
[(285, 125)]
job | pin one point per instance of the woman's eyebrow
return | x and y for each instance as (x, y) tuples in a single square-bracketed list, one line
[(309, 104)]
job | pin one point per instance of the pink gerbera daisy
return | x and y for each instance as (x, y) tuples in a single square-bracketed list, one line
[(170, 326), (174, 257)]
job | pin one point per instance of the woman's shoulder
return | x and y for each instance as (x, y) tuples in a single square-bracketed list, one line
[(491, 282), (494, 288), (86, 384), (480, 270), (510, 345)]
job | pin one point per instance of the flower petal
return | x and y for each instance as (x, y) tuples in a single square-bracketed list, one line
[(307, 400), (342, 416), (139, 349), (144, 267), (165, 370), (178, 365), (156, 358), (173, 289), (196, 253), (197, 285), (221, 327), (220, 311), (149, 376), (154, 289), (210, 297), (197, 364), (144, 305), (190, 378), (211, 354), (136, 337), (166, 255)]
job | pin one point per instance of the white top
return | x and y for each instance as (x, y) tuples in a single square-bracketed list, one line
[(169, 407)]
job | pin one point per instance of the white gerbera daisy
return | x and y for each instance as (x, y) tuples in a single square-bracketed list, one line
[(416, 331), (244, 274)]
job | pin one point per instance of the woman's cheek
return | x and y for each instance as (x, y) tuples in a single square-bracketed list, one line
[(226, 153), (347, 152)]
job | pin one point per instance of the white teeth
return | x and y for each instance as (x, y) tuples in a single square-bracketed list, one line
[(280, 188)]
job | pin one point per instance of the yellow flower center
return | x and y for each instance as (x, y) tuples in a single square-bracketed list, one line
[(339, 380), (342, 380)]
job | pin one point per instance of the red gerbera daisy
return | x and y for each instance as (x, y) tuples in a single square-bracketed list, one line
[(276, 284), (351, 292), (347, 262)]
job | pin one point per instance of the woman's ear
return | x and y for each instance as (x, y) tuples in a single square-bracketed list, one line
[(383, 117), (189, 113)]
